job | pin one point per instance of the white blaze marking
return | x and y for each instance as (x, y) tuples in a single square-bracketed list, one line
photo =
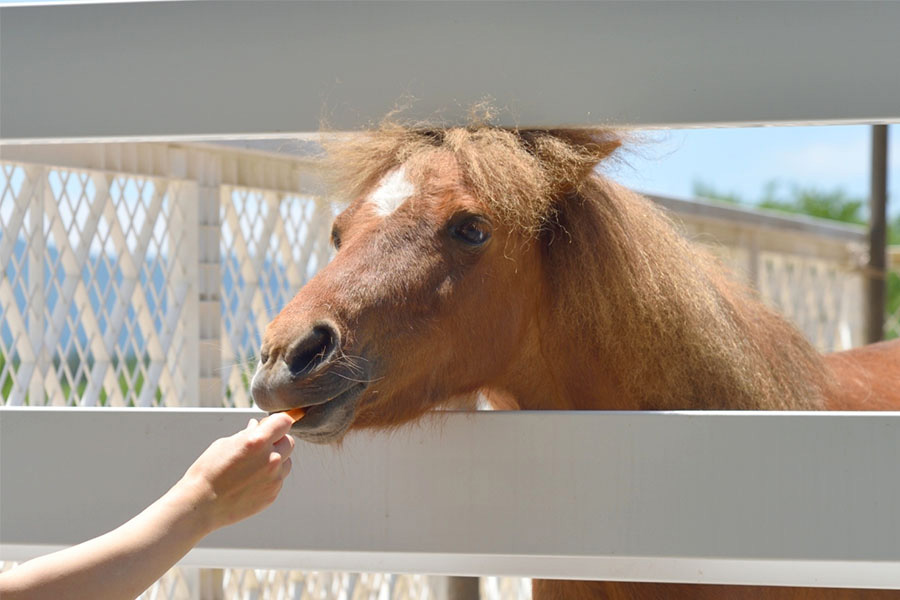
[(482, 403), (392, 192)]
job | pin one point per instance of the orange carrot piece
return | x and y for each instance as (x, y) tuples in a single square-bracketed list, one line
[(296, 413)]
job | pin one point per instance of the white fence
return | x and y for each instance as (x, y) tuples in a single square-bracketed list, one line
[(144, 274), (241, 69), (160, 70)]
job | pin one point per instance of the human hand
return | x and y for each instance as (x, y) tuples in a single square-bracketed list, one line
[(240, 475)]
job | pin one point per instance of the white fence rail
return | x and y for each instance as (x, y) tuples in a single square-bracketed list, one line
[(755, 498), (165, 69)]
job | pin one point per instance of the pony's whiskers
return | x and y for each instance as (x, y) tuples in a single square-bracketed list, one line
[(352, 364)]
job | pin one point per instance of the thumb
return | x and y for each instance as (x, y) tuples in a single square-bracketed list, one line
[(275, 426)]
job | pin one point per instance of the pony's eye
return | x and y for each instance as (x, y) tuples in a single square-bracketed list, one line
[(335, 239), (473, 231)]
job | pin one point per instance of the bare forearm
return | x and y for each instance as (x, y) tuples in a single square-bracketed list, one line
[(235, 477), (120, 564)]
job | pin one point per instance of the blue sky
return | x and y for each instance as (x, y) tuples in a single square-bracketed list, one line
[(744, 160)]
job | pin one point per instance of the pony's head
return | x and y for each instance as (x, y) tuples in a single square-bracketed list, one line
[(478, 259), (437, 276)]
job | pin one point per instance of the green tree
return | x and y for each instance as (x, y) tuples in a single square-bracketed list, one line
[(892, 305), (701, 189), (894, 232), (835, 204)]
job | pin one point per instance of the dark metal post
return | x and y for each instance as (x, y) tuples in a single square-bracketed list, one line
[(875, 284), (463, 588)]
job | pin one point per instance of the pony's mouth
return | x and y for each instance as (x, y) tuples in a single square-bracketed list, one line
[(328, 420)]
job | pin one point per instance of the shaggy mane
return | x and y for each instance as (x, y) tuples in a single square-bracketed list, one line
[(662, 316), (667, 318), (518, 174)]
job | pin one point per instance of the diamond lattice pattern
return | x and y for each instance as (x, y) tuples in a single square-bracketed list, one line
[(271, 244), (94, 287), (266, 583), (814, 294)]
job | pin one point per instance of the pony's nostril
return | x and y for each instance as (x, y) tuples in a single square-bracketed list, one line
[(263, 357), (313, 350)]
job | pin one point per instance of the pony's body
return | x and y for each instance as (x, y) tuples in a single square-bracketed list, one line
[(867, 378), (594, 590), (493, 261)]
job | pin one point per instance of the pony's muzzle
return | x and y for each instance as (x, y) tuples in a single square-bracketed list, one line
[(296, 375)]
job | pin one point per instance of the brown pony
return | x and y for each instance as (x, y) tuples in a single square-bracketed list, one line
[(485, 260)]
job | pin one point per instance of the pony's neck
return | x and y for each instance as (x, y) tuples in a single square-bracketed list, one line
[(548, 377), (633, 317)]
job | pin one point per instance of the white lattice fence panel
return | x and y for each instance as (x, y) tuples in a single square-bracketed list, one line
[(816, 295), (174, 585), (813, 281), (94, 289), (20, 255), (736, 258), (505, 588), (253, 584), (271, 244)]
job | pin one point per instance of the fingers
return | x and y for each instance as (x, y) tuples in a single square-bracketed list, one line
[(284, 447), (274, 426), (251, 424)]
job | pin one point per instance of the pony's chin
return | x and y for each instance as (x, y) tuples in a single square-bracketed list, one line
[(328, 422)]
